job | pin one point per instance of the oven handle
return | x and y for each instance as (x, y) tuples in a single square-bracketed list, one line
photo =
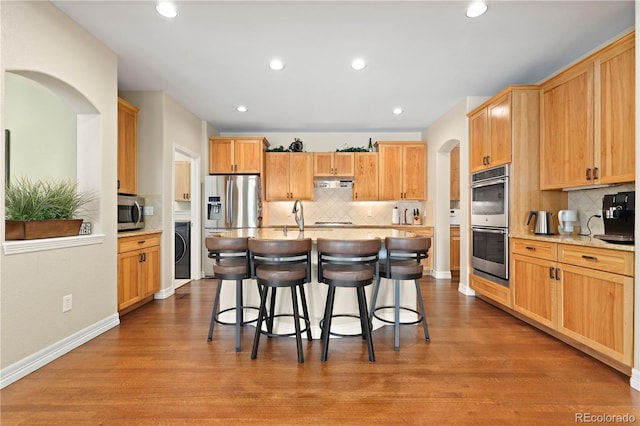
[(490, 230), (488, 183)]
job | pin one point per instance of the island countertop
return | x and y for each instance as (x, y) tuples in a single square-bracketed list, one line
[(340, 233)]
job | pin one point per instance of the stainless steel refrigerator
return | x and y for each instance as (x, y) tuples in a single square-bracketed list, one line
[(230, 202)]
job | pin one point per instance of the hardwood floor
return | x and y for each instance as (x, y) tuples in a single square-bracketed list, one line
[(482, 366)]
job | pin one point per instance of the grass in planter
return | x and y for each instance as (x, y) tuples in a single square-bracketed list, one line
[(43, 199)]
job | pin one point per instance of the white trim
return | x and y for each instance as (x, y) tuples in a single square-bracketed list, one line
[(28, 246), (635, 379), (441, 275), (25, 366), (465, 289), (164, 293)]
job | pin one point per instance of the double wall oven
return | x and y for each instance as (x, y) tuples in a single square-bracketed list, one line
[(490, 224)]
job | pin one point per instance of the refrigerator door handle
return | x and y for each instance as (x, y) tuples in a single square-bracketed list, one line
[(229, 212)]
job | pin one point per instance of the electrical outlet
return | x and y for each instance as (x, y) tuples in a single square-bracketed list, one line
[(67, 303), (147, 210), (369, 213)]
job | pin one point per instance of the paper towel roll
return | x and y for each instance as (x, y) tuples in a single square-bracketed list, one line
[(395, 216)]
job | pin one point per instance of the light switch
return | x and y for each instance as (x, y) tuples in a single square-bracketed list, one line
[(148, 210)]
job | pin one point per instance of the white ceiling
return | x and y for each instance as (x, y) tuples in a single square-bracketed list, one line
[(424, 56)]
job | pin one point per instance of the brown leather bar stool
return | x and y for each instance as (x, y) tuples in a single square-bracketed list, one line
[(403, 262), (231, 256), (276, 264), (352, 264)]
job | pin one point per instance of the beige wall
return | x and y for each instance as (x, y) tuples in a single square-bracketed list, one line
[(36, 36)]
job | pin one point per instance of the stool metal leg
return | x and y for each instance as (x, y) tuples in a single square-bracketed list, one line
[(364, 320), (238, 312), (327, 322), (296, 323), (305, 312), (262, 312), (214, 311), (396, 346), (424, 315), (272, 310), (374, 298)]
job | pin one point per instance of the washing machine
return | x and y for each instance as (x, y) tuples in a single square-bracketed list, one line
[(183, 249)]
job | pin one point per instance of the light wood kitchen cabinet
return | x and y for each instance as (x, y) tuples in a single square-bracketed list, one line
[(236, 155), (454, 171), (454, 249), (588, 120), (585, 293), (127, 148), (365, 176), (334, 164), (183, 181), (289, 176), (402, 170), (138, 270), (490, 133), (428, 262)]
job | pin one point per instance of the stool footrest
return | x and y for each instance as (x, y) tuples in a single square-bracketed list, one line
[(332, 333), (268, 318), (401, 308)]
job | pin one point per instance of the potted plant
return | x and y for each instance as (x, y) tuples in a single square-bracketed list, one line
[(43, 208)]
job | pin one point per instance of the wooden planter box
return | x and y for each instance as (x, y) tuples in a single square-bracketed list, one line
[(34, 229)]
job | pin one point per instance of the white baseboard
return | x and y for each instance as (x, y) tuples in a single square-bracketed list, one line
[(164, 293), (635, 379), (465, 289), (441, 275), (25, 366)]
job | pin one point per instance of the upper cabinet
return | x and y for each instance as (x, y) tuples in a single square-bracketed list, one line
[(236, 155), (490, 132), (402, 170), (183, 181), (454, 172), (365, 176), (289, 176), (336, 164), (588, 120), (127, 148)]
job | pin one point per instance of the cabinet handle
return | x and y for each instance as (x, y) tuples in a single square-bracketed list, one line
[(595, 173), (356, 195), (142, 241), (552, 271), (118, 183), (140, 258), (589, 257), (530, 248), (588, 173), (557, 274), (488, 160)]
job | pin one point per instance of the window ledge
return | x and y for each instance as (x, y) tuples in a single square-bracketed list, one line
[(29, 246)]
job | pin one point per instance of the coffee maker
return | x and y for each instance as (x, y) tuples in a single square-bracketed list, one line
[(618, 215)]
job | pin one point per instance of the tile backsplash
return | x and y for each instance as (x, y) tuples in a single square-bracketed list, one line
[(588, 202), (336, 205)]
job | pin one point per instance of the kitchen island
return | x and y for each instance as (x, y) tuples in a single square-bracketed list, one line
[(345, 302)]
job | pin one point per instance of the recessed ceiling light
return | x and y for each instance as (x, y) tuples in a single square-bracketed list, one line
[(476, 9), (167, 9), (276, 64), (358, 64), (241, 108), (398, 111)]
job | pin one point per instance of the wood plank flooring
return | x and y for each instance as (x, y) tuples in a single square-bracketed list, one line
[(482, 366)]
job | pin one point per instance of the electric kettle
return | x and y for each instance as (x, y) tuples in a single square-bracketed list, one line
[(543, 224)]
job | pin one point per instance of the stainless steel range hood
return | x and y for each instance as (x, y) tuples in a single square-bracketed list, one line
[(333, 183)]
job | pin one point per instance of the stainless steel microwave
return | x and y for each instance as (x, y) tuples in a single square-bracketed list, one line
[(130, 212)]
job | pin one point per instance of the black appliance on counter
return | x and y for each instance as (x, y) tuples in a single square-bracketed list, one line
[(618, 215)]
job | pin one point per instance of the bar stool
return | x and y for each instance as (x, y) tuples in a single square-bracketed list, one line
[(403, 262), (352, 264), (276, 264), (231, 257)]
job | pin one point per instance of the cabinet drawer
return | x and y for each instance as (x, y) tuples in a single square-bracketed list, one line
[(539, 249), (138, 242), (618, 262)]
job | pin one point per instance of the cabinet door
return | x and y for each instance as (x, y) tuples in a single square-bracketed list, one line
[(127, 148), (428, 262), (183, 181), (301, 175), (499, 131), (220, 156), (615, 114), (533, 286), (454, 248), (454, 179), (150, 271), (478, 140), (390, 171), (596, 309), (323, 164), (343, 165), (277, 176), (247, 155), (566, 146), (414, 171), (128, 278), (365, 185)]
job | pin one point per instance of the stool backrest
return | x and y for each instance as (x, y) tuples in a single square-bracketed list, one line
[(280, 252), (412, 248), (347, 252), (220, 247)]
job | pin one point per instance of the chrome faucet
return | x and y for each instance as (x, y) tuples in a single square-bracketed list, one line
[(299, 218)]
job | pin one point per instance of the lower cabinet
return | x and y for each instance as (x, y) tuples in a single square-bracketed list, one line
[(584, 293), (138, 270), (454, 249), (428, 262)]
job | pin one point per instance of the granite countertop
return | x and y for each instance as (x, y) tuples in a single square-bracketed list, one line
[(351, 233), (138, 232), (349, 226), (577, 240)]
